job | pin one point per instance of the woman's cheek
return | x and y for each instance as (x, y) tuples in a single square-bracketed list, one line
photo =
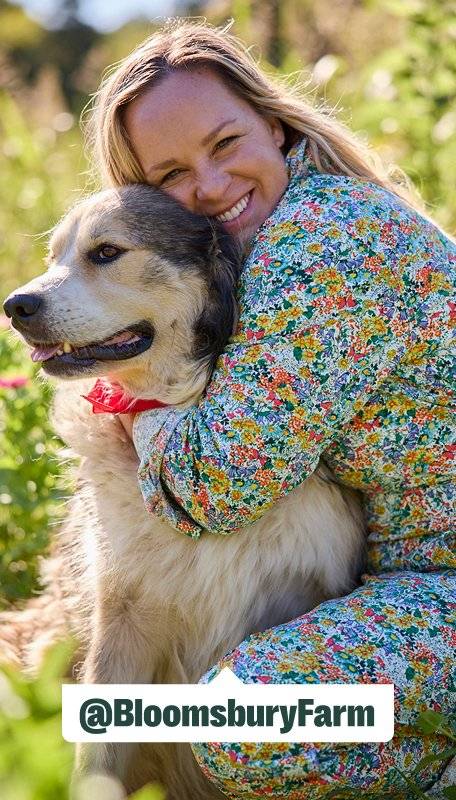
[(180, 192)]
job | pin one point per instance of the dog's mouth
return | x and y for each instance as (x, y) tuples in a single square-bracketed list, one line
[(66, 358)]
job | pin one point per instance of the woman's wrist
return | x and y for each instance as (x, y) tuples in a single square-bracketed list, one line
[(127, 421)]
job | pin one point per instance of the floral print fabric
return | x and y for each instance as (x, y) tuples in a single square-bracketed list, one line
[(344, 350), (396, 628)]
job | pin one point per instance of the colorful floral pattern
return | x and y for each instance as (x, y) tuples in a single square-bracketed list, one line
[(396, 628), (344, 350)]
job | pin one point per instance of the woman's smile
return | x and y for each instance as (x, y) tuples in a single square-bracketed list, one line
[(236, 210), (209, 149)]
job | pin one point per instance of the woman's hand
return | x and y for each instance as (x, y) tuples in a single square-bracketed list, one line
[(126, 421)]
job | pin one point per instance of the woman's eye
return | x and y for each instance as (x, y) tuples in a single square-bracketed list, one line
[(170, 175), (224, 142), (105, 253)]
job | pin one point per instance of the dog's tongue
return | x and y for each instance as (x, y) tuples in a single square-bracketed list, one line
[(43, 353)]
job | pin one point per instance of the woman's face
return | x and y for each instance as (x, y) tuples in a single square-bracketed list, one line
[(209, 149)]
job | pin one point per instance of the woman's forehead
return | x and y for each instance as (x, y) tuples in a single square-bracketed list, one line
[(192, 103)]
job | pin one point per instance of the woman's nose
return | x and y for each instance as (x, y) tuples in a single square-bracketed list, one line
[(211, 187)]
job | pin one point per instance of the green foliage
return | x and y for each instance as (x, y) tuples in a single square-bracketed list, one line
[(406, 100), (39, 170), (40, 176), (431, 722), (29, 494), (35, 761), (30, 47)]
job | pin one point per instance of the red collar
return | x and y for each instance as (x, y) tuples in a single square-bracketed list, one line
[(110, 398)]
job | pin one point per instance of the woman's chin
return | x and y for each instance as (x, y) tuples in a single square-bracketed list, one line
[(243, 233), (244, 227)]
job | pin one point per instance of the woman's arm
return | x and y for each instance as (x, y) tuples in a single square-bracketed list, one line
[(311, 349)]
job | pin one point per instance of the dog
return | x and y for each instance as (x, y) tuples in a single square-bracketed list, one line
[(143, 292)]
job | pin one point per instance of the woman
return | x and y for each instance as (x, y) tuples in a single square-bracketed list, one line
[(342, 350)]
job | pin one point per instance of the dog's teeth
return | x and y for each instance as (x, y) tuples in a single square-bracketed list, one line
[(59, 353), (67, 348)]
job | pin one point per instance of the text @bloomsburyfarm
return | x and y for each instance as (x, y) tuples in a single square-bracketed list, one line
[(227, 710)]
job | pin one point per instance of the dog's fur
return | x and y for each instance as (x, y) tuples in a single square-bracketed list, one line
[(148, 603)]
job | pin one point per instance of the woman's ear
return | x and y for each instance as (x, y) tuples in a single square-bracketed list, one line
[(277, 131)]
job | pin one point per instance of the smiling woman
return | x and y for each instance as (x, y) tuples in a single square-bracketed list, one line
[(227, 165), (343, 352)]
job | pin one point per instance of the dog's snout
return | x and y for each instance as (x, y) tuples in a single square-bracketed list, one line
[(22, 307)]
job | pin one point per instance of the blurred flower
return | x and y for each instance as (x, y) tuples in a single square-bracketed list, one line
[(13, 383), (445, 127), (325, 68), (381, 86), (389, 125), (11, 704), (63, 122), (31, 192)]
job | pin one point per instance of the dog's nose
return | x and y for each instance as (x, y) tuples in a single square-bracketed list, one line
[(21, 307)]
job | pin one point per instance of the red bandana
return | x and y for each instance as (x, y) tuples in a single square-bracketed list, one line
[(110, 398)]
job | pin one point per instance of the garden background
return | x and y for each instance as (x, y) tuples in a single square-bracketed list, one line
[(387, 67)]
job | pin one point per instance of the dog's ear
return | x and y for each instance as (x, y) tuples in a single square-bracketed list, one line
[(193, 241), (218, 320)]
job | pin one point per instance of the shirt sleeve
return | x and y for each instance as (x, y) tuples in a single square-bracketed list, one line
[(327, 325)]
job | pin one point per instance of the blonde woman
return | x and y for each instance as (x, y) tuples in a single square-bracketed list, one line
[(343, 350)]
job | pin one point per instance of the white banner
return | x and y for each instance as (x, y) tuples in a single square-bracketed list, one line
[(227, 710)]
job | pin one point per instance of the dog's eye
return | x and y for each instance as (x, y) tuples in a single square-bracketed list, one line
[(105, 253)]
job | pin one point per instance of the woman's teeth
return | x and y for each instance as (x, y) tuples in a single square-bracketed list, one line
[(234, 212)]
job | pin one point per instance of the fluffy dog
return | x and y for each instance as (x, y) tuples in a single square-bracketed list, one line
[(143, 292)]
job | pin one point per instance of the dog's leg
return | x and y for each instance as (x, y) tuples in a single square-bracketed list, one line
[(121, 651), (131, 644)]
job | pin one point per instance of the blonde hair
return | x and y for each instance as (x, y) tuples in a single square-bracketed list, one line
[(184, 44)]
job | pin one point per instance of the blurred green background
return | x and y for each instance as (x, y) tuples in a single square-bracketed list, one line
[(387, 67)]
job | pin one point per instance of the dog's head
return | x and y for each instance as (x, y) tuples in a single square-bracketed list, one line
[(138, 289)]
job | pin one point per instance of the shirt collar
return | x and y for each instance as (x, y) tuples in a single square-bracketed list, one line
[(299, 164), (298, 160)]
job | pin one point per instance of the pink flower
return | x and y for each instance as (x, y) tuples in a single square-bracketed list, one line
[(13, 383)]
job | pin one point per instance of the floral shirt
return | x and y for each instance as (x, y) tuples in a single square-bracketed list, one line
[(344, 350)]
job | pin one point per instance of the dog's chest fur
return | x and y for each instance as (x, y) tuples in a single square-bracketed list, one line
[(212, 592)]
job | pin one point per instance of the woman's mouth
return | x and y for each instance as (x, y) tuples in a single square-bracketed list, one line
[(235, 211)]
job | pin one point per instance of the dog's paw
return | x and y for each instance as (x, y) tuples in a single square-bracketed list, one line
[(88, 787), (104, 758)]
